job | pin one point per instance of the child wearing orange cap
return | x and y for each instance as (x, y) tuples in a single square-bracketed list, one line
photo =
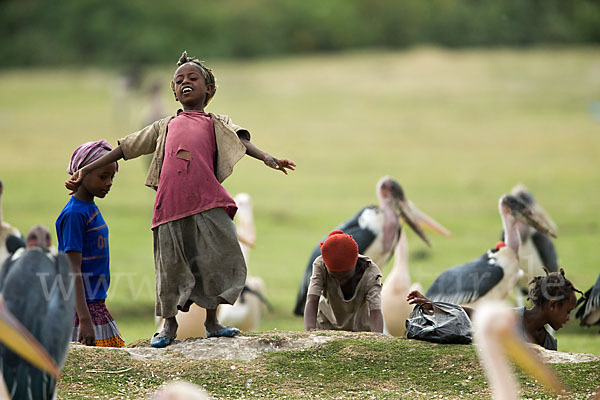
[(345, 289)]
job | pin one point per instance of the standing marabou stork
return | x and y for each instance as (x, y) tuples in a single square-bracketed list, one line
[(6, 231), (396, 287), (537, 250), (589, 312), (494, 326), (246, 313), (493, 275), (37, 288), (376, 230)]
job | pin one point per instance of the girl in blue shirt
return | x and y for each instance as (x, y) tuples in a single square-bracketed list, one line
[(83, 234)]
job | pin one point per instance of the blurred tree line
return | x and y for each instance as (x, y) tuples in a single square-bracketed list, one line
[(53, 32)]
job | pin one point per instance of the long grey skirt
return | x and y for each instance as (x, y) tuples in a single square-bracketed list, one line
[(197, 259)]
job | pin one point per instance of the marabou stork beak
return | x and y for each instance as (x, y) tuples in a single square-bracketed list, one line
[(392, 194), (429, 223), (522, 193), (17, 338), (407, 214), (543, 215), (529, 362), (528, 215)]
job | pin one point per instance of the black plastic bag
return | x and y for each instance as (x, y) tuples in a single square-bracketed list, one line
[(439, 322)]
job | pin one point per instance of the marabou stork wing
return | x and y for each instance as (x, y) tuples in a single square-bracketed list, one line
[(546, 250), (363, 237), (591, 305), (466, 283), (38, 290)]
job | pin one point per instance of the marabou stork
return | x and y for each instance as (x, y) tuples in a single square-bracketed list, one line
[(17, 338), (589, 312), (246, 313), (396, 287), (537, 250), (37, 288), (6, 231), (376, 230), (494, 274), (495, 334)]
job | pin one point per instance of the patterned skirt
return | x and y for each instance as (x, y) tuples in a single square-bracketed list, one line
[(105, 329)]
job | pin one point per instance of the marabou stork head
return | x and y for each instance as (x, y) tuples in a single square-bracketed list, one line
[(391, 196), (522, 193), (527, 214)]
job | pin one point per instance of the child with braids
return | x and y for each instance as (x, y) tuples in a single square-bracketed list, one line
[(553, 297), (196, 253)]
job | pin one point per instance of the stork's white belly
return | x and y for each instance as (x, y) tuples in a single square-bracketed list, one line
[(245, 316), (373, 220), (507, 259), (530, 263), (376, 254), (592, 318)]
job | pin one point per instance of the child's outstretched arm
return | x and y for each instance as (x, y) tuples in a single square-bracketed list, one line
[(269, 160), (75, 180), (86, 327), (310, 312), (376, 321), (416, 297)]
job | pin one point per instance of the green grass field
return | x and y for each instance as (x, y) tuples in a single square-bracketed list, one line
[(456, 128)]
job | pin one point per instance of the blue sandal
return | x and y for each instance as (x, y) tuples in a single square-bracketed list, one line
[(226, 331), (161, 341)]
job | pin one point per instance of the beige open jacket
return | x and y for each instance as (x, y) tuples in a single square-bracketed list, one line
[(152, 139)]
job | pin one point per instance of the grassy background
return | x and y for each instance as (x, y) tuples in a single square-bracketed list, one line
[(456, 128)]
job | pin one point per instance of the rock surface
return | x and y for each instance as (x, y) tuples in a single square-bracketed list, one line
[(248, 347)]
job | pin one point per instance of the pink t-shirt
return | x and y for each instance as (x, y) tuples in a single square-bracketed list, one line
[(187, 183)]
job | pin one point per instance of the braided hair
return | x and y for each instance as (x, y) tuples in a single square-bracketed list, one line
[(553, 286), (209, 78)]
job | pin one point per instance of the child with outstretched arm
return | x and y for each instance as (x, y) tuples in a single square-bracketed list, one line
[(196, 253), (345, 289)]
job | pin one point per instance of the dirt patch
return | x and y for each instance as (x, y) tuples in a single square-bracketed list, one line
[(241, 347), (250, 346)]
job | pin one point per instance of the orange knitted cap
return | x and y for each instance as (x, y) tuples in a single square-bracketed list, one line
[(339, 251)]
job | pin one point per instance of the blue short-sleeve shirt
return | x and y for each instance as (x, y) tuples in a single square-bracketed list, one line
[(81, 228)]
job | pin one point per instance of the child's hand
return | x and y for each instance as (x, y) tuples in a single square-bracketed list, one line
[(74, 181), (416, 297), (281, 165), (86, 333)]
